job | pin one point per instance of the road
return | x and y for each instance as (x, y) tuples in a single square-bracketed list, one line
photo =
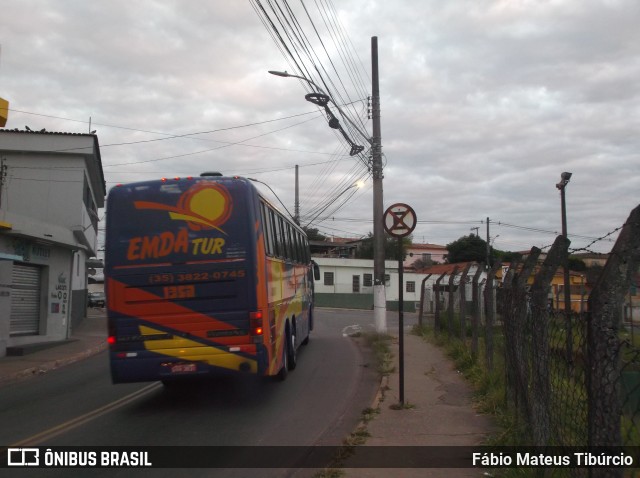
[(319, 404)]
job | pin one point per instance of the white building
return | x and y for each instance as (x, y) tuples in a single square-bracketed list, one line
[(51, 186), (348, 283)]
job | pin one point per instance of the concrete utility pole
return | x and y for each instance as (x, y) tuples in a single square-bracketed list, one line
[(562, 185), (488, 247), (379, 295), (296, 205)]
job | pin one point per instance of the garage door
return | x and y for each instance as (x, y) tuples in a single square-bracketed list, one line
[(25, 300)]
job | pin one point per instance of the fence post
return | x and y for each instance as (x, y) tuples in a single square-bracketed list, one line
[(540, 353), (515, 330), (603, 337), (452, 278), (422, 300), (489, 303), (437, 323), (507, 314), (462, 289), (475, 313)]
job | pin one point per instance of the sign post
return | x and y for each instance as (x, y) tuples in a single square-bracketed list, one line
[(400, 221)]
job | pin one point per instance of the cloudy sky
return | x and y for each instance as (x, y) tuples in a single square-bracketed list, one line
[(483, 104)]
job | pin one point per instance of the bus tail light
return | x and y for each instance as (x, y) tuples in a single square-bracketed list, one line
[(256, 325), (111, 334)]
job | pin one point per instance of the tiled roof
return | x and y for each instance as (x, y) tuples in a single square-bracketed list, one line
[(427, 246), (439, 269)]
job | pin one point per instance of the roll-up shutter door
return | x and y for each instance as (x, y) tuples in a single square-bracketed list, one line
[(25, 300)]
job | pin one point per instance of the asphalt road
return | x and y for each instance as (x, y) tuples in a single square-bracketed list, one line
[(319, 404)]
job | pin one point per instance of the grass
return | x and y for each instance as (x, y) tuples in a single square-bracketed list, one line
[(380, 344)]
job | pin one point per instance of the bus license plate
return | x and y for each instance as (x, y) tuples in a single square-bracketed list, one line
[(183, 368)]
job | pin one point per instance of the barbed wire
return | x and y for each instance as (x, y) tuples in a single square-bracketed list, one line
[(587, 247)]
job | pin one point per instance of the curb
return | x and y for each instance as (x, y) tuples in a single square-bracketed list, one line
[(52, 365)]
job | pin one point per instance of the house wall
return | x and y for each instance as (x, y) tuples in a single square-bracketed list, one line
[(79, 287), (48, 204), (54, 265), (416, 251), (341, 294)]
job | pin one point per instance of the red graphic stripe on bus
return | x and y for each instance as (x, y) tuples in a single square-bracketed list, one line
[(158, 311)]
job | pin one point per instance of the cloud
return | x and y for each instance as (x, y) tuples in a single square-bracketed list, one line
[(484, 103)]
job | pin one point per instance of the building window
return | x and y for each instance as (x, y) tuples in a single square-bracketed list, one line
[(387, 280), (426, 257), (356, 284), (328, 278), (411, 286), (367, 280)]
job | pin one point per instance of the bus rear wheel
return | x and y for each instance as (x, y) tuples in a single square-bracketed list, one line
[(306, 339), (292, 359), (284, 371)]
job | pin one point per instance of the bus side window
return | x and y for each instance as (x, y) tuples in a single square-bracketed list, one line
[(307, 251), (289, 239), (282, 238), (275, 235), (266, 230), (300, 247), (295, 256)]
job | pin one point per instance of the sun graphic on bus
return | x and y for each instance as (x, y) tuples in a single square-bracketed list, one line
[(203, 206)]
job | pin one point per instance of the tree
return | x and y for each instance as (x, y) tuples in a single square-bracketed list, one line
[(508, 256), (365, 251), (422, 263), (313, 234), (468, 248), (576, 264)]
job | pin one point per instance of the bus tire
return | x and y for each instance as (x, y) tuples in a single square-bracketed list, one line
[(292, 350), (284, 370), (309, 329)]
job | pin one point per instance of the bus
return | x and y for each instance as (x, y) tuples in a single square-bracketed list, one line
[(204, 276)]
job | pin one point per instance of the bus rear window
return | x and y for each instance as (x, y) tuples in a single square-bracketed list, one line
[(180, 222)]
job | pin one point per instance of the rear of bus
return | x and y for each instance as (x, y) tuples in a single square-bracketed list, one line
[(184, 279)]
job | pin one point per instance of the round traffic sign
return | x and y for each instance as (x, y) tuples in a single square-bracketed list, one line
[(400, 220)]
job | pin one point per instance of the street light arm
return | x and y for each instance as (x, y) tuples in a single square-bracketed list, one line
[(285, 74)]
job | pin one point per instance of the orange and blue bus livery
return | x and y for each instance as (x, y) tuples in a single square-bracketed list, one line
[(203, 277)]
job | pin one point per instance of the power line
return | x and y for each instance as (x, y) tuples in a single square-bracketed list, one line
[(168, 135), (226, 145)]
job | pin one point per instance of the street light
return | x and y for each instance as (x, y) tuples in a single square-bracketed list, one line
[(322, 99), (379, 294), (564, 180)]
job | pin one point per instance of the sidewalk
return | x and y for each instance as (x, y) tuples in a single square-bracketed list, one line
[(438, 411), (88, 338)]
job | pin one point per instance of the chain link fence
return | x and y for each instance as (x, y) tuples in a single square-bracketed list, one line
[(572, 378)]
